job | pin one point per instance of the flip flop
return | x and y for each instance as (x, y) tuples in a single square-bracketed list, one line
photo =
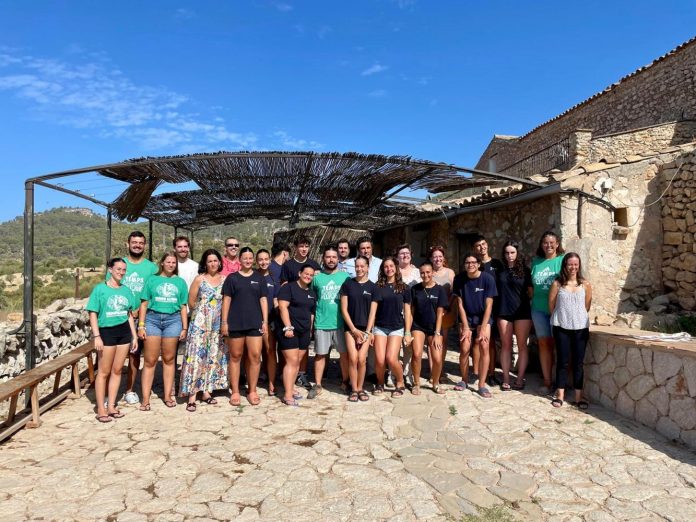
[(505, 387), (254, 401), (556, 402), (293, 402), (210, 400), (116, 415), (170, 403), (191, 406), (104, 418), (144, 407), (439, 390), (582, 404), (237, 401), (415, 390), (460, 386), (485, 393)]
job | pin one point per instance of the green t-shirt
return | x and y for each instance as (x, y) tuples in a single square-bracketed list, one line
[(327, 287), (544, 272), (111, 305), (136, 275), (165, 295)]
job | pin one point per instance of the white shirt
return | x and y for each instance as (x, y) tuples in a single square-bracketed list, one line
[(373, 271), (188, 270)]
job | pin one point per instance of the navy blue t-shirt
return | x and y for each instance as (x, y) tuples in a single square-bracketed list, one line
[(425, 302), (275, 269), (291, 269), (271, 289), (359, 300), (246, 293), (513, 293), (303, 303), (473, 293), (390, 306)]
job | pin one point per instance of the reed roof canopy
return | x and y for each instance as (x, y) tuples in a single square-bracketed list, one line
[(340, 189)]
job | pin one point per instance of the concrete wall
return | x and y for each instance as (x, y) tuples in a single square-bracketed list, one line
[(651, 382)]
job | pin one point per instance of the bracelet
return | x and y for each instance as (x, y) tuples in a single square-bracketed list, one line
[(141, 323), (407, 333), (288, 328), (141, 328), (438, 334), (95, 336)]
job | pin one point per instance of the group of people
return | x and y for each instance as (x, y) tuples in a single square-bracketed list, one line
[(244, 313)]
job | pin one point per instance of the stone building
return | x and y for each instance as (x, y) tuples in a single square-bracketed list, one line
[(617, 176)]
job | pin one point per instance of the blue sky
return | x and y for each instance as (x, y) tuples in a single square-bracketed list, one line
[(85, 83)]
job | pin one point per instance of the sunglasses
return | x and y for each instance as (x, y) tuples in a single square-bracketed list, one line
[(232, 245)]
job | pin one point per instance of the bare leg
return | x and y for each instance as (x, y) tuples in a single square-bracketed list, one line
[(464, 350), (106, 361), (363, 350), (115, 378), (271, 361), (436, 357), (522, 329), (505, 329), (417, 350), (319, 367), (254, 347), (484, 361), (133, 367), (236, 350), (151, 353), (392, 356), (169, 347), (380, 347), (343, 362), (292, 366), (546, 356)]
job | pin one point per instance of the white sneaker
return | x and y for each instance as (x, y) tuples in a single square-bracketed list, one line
[(131, 398)]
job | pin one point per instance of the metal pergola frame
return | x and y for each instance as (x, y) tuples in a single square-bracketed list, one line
[(28, 327)]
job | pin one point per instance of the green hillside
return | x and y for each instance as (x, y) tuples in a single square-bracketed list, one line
[(66, 238)]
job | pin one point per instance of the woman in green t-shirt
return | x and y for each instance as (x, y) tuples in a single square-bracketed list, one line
[(545, 268), (113, 332), (162, 323)]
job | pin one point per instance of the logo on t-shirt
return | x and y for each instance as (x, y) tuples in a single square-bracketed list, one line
[(365, 292), (329, 292), (545, 277), (476, 290), (167, 293), (117, 305), (135, 282), (253, 282)]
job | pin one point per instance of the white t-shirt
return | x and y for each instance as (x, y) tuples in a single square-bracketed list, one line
[(188, 270)]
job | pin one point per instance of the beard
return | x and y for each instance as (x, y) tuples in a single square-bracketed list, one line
[(135, 255)]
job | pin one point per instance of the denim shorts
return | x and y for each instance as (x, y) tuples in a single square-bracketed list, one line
[(542, 323), (387, 332), (163, 325)]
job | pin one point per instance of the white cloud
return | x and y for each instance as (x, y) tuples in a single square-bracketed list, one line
[(378, 93), (184, 14), (283, 7), (374, 69), (98, 96), (288, 142)]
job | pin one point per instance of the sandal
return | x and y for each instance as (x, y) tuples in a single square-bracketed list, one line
[(505, 387), (253, 399), (353, 397), (104, 418), (118, 415), (170, 403), (556, 402), (415, 390), (485, 393), (363, 396), (297, 396), (191, 406), (516, 386), (144, 407), (398, 392), (287, 402), (582, 404), (210, 400), (378, 389), (460, 386), (439, 390), (237, 401)]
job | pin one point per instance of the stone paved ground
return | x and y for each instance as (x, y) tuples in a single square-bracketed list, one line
[(425, 458)]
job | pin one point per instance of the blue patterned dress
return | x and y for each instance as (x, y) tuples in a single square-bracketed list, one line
[(205, 363)]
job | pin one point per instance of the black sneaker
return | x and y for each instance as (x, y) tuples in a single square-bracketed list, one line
[(303, 381), (314, 391)]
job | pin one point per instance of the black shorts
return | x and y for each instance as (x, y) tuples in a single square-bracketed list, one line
[(238, 334), (519, 315), (427, 330), (115, 335), (299, 341)]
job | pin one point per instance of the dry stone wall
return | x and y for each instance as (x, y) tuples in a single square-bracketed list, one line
[(59, 328), (652, 384), (679, 230)]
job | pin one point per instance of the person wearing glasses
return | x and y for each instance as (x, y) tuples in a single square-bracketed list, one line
[(230, 261)]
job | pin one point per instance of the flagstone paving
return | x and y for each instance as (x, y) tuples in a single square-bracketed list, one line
[(413, 458)]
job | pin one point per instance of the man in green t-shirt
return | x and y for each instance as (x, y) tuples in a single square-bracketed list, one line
[(328, 322), (138, 270)]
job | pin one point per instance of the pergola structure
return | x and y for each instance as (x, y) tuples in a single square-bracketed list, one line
[(342, 190)]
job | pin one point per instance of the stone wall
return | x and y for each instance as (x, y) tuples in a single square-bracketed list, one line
[(615, 147), (59, 328), (679, 229), (661, 93), (651, 382)]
